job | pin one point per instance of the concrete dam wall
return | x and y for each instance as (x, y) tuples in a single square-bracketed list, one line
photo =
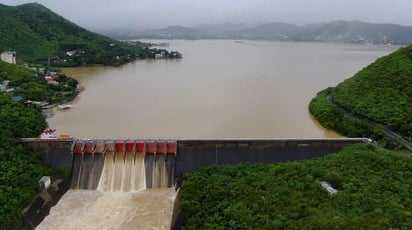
[(54, 153), (194, 153)]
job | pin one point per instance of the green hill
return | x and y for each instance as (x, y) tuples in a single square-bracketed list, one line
[(381, 92), (373, 193), (39, 35), (20, 170)]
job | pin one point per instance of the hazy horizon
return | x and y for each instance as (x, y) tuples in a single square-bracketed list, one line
[(133, 15)]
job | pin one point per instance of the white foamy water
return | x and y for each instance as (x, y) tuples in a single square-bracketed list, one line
[(121, 200), (123, 173), (91, 209)]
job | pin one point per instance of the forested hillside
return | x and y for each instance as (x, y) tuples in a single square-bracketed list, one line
[(39, 35), (382, 91), (20, 170), (373, 193)]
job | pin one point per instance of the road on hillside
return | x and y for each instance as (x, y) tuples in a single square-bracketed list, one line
[(388, 132)]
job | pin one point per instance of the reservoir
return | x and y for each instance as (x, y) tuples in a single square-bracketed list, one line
[(220, 89)]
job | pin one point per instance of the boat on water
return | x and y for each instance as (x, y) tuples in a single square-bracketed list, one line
[(47, 106), (49, 134), (79, 88), (64, 106)]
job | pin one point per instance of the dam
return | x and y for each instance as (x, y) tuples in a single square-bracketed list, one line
[(181, 156), (125, 178)]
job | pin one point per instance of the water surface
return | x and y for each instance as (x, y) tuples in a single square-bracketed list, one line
[(220, 88)]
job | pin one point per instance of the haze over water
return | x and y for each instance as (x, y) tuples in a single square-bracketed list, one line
[(220, 89)]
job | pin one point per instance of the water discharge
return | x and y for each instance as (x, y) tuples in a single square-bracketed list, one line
[(92, 209), (123, 173), (116, 189)]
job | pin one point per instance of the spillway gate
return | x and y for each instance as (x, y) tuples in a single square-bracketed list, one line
[(123, 165)]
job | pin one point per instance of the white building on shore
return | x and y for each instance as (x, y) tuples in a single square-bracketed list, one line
[(9, 57)]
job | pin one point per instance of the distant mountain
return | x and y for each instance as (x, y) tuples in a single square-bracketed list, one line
[(171, 32), (39, 35), (337, 31), (360, 32), (270, 31), (221, 28)]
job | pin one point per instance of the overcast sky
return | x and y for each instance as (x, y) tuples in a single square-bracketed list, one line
[(142, 14)]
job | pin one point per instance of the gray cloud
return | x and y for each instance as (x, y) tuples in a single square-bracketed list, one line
[(98, 14)]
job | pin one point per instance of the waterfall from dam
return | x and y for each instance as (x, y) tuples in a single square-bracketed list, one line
[(123, 166), (117, 185)]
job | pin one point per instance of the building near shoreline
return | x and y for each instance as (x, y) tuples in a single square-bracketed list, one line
[(9, 57)]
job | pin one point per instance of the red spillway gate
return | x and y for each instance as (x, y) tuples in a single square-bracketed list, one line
[(109, 145), (78, 147), (130, 146), (88, 146), (100, 147), (120, 147), (150, 147), (171, 147), (140, 147), (160, 147)]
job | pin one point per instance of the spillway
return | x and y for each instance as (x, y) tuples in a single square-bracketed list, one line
[(123, 166), (118, 184)]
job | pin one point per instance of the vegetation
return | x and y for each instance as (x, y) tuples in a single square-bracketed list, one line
[(381, 92), (20, 170), (374, 193), (38, 35), (31, 84), (333, 117)]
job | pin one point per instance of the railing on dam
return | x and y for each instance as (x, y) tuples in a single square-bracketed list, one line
[(195, 153)]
